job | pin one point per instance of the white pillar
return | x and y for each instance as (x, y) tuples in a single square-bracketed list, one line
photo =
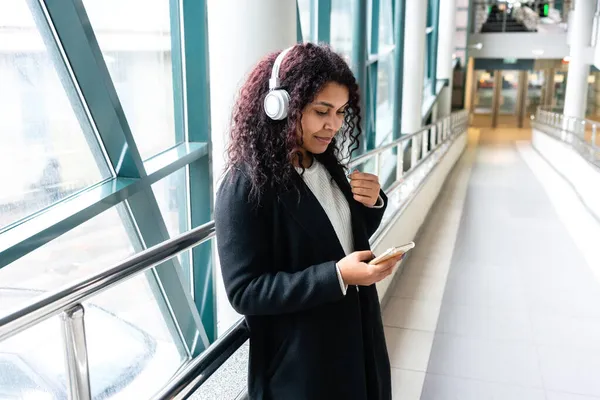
[(579, 67), (240, 32), (414, 64), (446, 31)]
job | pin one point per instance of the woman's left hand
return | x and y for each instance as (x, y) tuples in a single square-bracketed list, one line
[(365, 187)]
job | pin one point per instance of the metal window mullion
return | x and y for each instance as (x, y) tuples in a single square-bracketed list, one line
[(167, 278), (299, 37), (66, 76), (434, 45), (197, 88), (374, 27), (323, 19), (181, 190), (372, 106), (320, 21), (81, 48), (75, 210), (373, 71), (359, 58), (399, 8), (177, 69)]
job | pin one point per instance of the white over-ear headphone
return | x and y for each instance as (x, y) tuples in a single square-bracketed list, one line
[(277, 101)]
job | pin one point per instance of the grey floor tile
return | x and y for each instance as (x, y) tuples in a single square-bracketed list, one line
[(567, 396), (556, 330), (498, 270), (488, 360), (485, 322), (561, 278), (520, 313), (582, 303), (439, 387), (407, 385), (570, 369), (420, 288), (484, 288), (412, 314), (408, 349)]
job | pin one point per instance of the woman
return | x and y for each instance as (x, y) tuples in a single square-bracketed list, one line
[(293, 233)]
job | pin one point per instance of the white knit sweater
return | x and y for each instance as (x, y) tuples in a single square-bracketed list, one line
[(331, 198), (335, 205)]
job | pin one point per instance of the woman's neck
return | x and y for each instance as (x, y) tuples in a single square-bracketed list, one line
[(307, 159)]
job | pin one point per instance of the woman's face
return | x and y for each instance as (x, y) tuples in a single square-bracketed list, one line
[(323, 118)]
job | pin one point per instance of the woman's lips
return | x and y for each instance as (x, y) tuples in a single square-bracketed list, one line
[(324, 140)]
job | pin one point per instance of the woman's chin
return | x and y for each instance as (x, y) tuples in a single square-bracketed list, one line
[(319, 148)]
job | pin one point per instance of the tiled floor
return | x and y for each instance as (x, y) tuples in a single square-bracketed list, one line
[(497, 301)]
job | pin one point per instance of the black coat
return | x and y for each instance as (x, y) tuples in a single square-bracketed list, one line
[(307, 340)]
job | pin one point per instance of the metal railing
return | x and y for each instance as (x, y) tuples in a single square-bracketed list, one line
[(526, 16), (581, 134), (67, 301), (421, 143)]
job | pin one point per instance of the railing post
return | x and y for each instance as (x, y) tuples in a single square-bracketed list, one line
[(572, 124), (78, 375), (378, 164), (424, 136), (399, 161), (441, 133), (414, 153)]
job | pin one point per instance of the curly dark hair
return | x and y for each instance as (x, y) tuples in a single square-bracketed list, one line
[(265, 148)]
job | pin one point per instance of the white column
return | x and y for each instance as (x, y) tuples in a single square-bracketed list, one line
[(414, 64), (446, 31), (579, 67), (240, 32)]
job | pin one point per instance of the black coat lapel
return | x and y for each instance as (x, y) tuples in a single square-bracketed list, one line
[(309, 214)]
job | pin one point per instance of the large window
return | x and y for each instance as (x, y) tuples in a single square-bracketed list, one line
[(342, 28), (95, 166), (305, 15), (429, 43), (137, 52), (45, 152), (380, 68)]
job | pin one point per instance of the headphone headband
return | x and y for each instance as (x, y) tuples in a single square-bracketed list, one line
[(274, 81), (277, 101)]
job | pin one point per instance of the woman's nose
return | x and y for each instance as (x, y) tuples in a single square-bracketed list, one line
[(334, 123)]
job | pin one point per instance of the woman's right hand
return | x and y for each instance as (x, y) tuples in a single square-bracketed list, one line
[(355, 270)]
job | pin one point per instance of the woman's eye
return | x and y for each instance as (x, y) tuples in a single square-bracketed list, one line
[(342, 112), (321, 112)]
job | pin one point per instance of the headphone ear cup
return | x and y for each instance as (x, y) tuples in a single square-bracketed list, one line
[(276, 104)]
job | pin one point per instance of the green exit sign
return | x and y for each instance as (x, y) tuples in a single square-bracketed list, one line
[(510, 61)]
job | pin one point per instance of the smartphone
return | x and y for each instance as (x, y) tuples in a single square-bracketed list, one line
[(391, 253)]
